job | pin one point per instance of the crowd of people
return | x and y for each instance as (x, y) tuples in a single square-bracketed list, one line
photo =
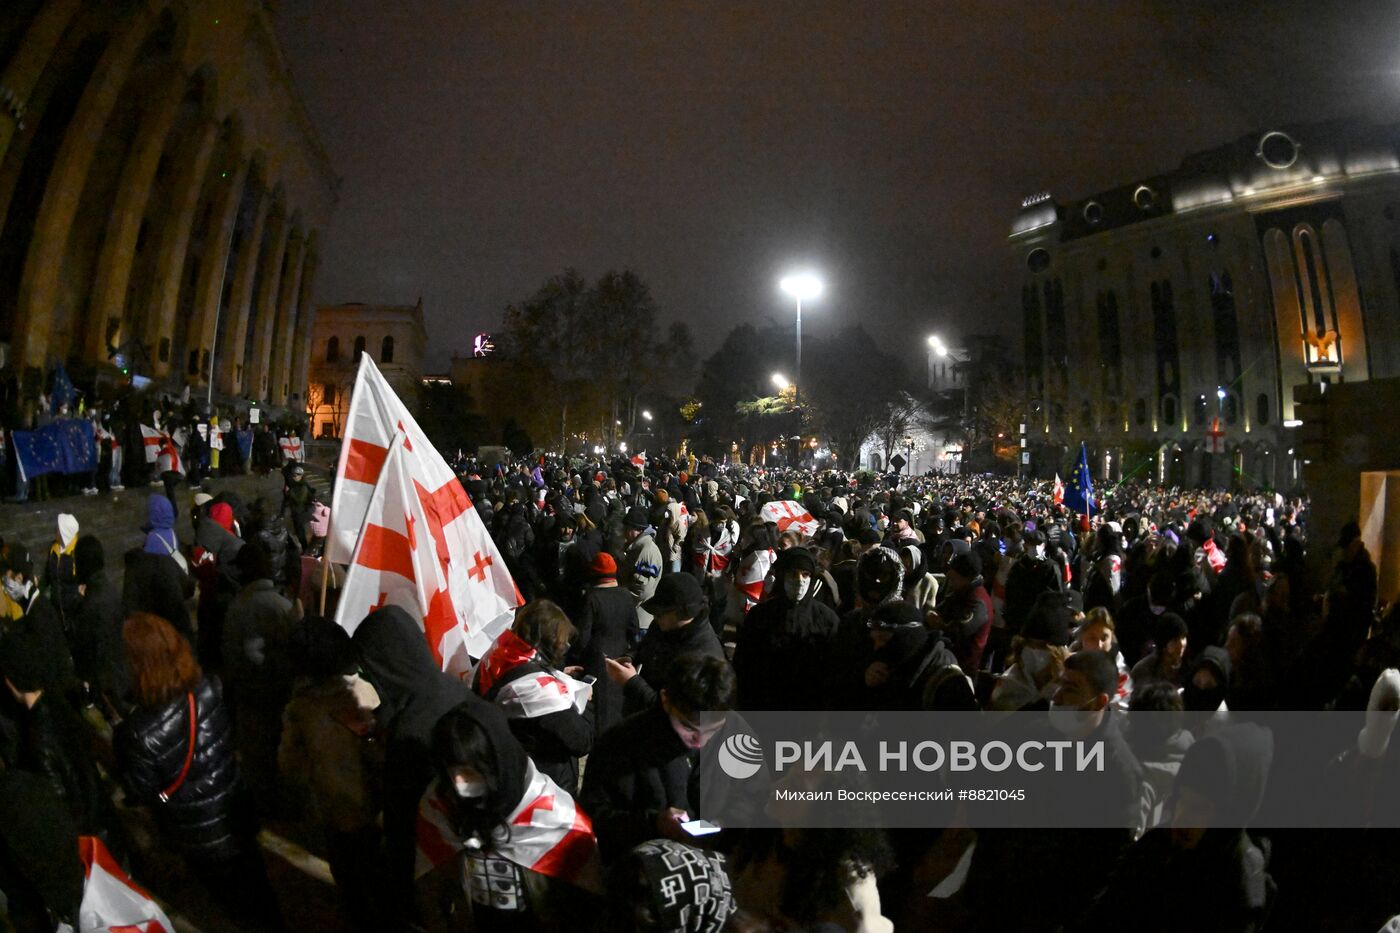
[(208, 693)]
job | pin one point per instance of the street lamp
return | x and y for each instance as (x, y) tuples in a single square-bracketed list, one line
[(936, 343), (646, 414), (780, 382), (800, 285)]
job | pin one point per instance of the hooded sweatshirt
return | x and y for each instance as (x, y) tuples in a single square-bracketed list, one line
[(160, 527), (784, 642), (414, 694)]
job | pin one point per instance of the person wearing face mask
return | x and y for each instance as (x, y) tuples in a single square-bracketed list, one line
[(498, 840), (37, 614), (642, 780), (1031, 574), (784, 639), (1038, 655)]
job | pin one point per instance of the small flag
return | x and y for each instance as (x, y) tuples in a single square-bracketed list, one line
[(1057, 493), (1215, 437), (788, 514)]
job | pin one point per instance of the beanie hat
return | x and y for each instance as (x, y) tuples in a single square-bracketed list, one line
[(603, 565), (896, 614), (1381, 715), (67, 529), (967, 565), (200, 498), (88, 558), (636, 518), (1050, 620)]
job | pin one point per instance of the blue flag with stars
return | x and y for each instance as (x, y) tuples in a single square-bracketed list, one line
[(1079, 491)]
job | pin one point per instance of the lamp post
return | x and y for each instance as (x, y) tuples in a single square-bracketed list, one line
[(800, 285)]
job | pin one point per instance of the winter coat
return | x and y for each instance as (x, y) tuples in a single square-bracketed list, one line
[(637, 769), (327, 750), (284, 552), (967, 620), (655, 654), (607, 628), (99, 654), (782, 649), (555, 741), (154, 583), (257, 646), (54, 742), (160, 527), (639, 573), (1028, 578), (206, 817)]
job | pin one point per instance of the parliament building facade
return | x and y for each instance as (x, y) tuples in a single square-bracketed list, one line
[(1155, 308), (162, 196)]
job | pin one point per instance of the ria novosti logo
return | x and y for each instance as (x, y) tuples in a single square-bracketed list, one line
[(740, 756)]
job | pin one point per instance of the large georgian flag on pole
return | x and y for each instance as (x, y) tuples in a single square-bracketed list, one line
[(459, 585)]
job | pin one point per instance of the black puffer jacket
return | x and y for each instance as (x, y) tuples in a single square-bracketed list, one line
[(205, 818)]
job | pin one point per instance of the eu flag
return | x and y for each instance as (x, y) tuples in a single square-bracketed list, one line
[(1079, 491)]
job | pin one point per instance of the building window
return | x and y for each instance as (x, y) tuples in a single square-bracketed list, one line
[(1164, 338), (1169, 409), (1261, 405), (1140, 412), (192, 366), (1227, 330), (359, 348), (328, 394), (333, 350), (386, 350), (1232, 409), (1035, 347), (1110, 342)]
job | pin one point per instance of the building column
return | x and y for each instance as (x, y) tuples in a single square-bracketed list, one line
[(193, 160), (38, 290), (230, 341), (25, 69), (281, 330), (306, 319), (283, 257), (115, 257), (213, 267), (261, 321)]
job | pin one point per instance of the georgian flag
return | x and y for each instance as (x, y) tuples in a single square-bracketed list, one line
[(788, 514), (112, 901), (712, 557), (291, 448), (481, 592), (639, 460), (1057, 491), (151, 438), (549, 834), (399, 560), (528, 695), (753, 574)]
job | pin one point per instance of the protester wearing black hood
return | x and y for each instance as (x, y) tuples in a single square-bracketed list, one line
[(900, 638), (1207, 682), (965, 614), (40, 871), (785, 640), (99, 656), (413, 695), (1217, 874), (675, 632)]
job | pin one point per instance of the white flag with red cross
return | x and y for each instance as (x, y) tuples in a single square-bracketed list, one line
[(112, 901), (472, 575), (1215, 437), (151, 440), (1057, 492), (788, 514)]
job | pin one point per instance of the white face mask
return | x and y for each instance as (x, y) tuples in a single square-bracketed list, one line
[(883, 523), (1034, 662), (474, 787), (796, 587), (1071, 720), (17, 589)]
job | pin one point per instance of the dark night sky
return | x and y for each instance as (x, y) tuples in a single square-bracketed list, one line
[(711, 146)]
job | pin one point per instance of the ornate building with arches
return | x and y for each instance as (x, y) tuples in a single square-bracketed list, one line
[(162, 193), (1154, 308)]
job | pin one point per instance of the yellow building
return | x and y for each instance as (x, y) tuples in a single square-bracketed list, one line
[(161, 194), (1154, 308), (395, 340)]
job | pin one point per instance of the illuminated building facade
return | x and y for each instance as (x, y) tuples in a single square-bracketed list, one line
[(1154, 308)]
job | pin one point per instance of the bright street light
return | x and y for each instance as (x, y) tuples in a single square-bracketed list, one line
[(781, 382), (936, 343), (800, 285), (646, 415), (622, 447), (1220, 394)]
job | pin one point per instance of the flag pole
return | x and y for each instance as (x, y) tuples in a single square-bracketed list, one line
[(326, 562)]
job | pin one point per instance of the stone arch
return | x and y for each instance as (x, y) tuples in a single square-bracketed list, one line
[(249, 368), (52, 87), (202, 291), (93, 195), (305, 317), (272, 350), (245, 249), (163, 237)]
